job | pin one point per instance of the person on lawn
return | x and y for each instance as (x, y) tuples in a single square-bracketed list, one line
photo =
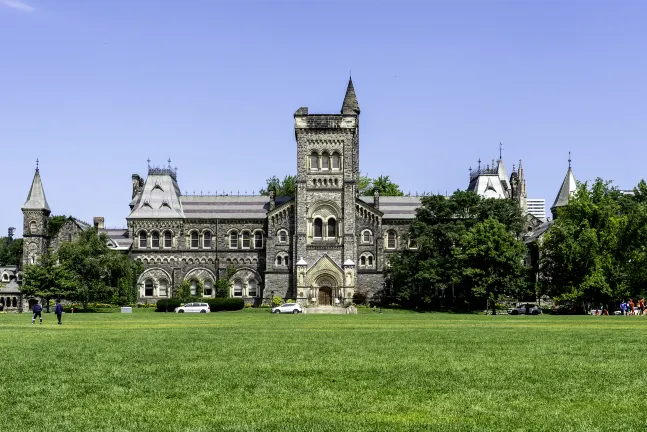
[(623, 307), (59, 310), (38, 312), (631, 307), (641, 305)]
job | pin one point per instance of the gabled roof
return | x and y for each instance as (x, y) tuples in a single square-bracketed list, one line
[(350, 105), (569, 185), (160, 197), (36, 199)]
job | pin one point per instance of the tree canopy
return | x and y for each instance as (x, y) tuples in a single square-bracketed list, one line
[(367, 186), (285, 187), (10, 251), (84, 270), (467, 251), (595, 252)]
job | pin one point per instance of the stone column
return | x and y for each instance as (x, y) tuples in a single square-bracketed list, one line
[(350, 276), (302, 266)]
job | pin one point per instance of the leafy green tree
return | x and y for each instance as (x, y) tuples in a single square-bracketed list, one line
[(285, 187), (48, 279), (490, 259), (430, 276), (367, 186), (595, 250), (54, 224), (183, 292), (222, 284), (10, 251)]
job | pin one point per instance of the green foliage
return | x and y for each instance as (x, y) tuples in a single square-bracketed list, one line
[(54, 224), (183, 293), (222, 284), (286, 187), (10, 251), (440, 272), (48, 279), (360, 298), (226, 304), (277, 301), (383, 183), (167, 305), (595, 251)]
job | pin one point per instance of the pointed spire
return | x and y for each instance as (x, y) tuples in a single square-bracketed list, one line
[(350, 105), (569, 185), (36, 199), (500, 151)]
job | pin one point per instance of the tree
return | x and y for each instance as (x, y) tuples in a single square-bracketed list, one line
[(595, 251), (48, 279), (430, 276), (490, 259), (10, 251), (97, 272), (367, 186), (223, 284), (287, 187), (54, 224)]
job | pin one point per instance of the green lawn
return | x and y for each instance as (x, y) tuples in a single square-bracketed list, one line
[(253, 371)]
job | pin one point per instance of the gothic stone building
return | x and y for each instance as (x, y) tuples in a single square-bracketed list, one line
[(326, 242)]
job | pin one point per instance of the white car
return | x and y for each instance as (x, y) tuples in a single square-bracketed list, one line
[(294, 308), (194, 307)]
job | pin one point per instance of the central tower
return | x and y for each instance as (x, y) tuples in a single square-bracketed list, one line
[(327, 175)]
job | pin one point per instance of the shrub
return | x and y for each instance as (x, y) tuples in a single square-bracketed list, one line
[(167, 305), (359, 298), (277, 301), (226, 304)]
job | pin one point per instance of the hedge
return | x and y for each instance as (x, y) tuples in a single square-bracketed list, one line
[(226, 304), (167, 305)]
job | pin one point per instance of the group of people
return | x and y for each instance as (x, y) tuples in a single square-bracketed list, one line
[(38, 312), (629, 308)]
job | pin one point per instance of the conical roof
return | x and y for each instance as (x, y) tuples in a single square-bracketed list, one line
[(350, 106), (569, 185), (36, 199)]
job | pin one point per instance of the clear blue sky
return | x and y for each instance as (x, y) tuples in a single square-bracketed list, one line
[(94, 88)]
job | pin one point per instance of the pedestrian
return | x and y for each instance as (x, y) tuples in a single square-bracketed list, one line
[(38, 312), (59, 310), (623, 307), (631, 307), (641, 305)]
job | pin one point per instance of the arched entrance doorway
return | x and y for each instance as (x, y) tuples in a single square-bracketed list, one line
[(325, 296)]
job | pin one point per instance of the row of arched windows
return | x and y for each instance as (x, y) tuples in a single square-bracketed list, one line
[(195, 240), (282, 259), (324, 161), (8, 302), (244, 240), (153, 240), (366, 260)]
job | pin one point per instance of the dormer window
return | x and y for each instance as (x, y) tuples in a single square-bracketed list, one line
[(158, 186), (5, 277)]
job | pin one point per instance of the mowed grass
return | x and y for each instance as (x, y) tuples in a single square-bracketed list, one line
[(253, 371)]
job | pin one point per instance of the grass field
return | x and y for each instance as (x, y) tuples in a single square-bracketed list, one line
[(253, 371)]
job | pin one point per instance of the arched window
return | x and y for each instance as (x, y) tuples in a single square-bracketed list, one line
[(279, 260), (332, 228), (233, 240), (208, 288), (143, 239), (238, 288), (391, 240), (258, 240), (335, 161), (252, 288), (206, 240), (318, 228), (246, 240), (194, 240), (362, 260), (314, 161), (33, 227), (148, 288), (168, 241), (155, 240), (325, 161), (370, 260), (163, 287), (283, 236), (194, 287), (14, 302), (366, 236)]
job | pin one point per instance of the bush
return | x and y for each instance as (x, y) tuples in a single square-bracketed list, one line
[(167, 305), (277, 301), (359, 298), (226, 304)]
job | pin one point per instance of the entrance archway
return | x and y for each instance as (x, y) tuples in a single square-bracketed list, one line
[(325, 296)]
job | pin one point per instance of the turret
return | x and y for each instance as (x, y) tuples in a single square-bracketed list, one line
[(35, 212), (568, 188)]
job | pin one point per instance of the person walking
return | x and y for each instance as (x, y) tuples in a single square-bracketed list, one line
[(641, 305), (631, 307), (38, 312), (59, 310), (623, 307)]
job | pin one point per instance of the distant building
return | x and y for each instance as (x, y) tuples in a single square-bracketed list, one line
[(537, 208)]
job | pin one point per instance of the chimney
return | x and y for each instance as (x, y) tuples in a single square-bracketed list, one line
[(98, 222), (376, 198), (272, 198)]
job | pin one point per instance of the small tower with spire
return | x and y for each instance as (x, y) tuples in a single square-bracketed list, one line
[(35, 217), (568, 188)]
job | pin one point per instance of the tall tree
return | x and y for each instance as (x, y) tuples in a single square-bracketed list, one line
[(48, 280), (285, 187), (367, 186), (10, 251)]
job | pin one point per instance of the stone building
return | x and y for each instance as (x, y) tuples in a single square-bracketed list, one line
[(325, 243)]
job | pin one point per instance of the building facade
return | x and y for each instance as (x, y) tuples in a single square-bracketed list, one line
[(325, 243), (537, 208)]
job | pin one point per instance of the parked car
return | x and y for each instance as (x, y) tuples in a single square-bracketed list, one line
[(525, 309), (294, 308), (194, 307)]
